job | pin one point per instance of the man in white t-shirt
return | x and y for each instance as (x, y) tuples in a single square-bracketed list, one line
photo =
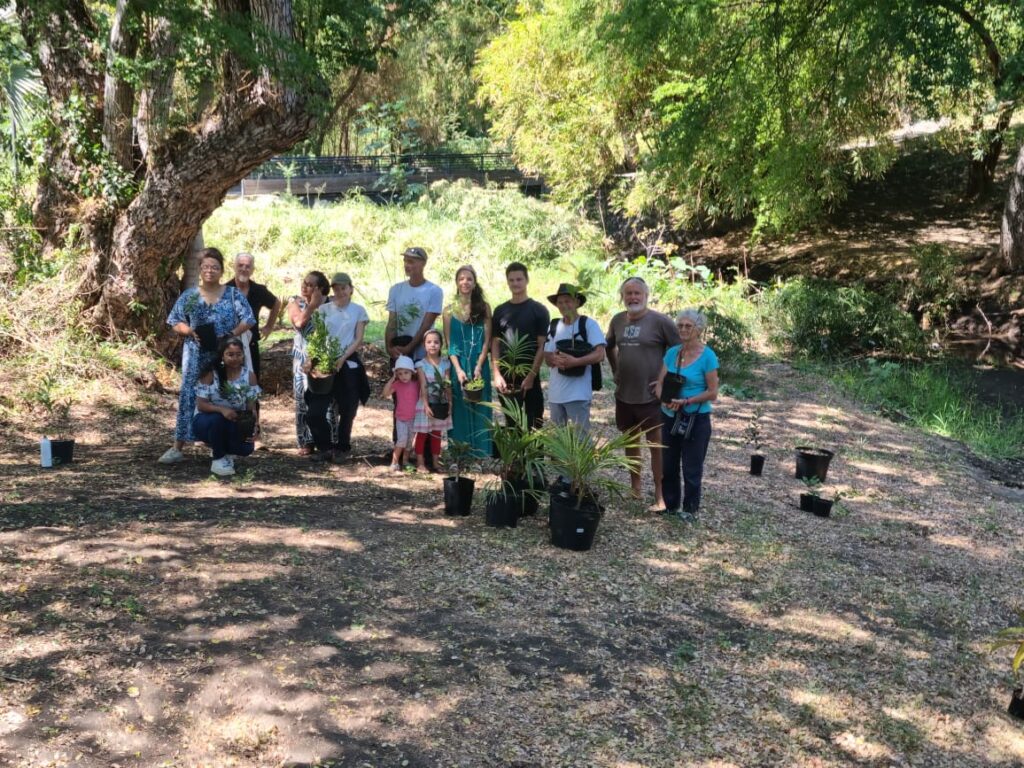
[(569, 387), (413, 307)]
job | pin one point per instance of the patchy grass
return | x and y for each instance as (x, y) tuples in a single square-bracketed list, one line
[(313, 616)]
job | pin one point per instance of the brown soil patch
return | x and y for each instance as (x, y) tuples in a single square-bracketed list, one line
[(307, 616)]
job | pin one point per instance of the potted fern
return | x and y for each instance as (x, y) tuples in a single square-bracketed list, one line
[(322, 351), (584, 464), (1013, 637), (458, 490), (520, 459)]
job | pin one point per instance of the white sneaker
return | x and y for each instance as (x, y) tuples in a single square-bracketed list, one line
[(171, 456), (222, 467)]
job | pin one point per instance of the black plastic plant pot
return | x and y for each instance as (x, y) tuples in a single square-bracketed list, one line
[(1016, 708), (822, 507), (501, 510), (528, 501), (458, 496), (571, 527), (246, 423), (62, 451), (812, 462), (756, 464), (473, 395), (440, 410), (807, 502), (207, 334), (320, 385)]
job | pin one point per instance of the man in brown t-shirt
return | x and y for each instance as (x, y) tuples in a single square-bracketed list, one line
[(637, 341)]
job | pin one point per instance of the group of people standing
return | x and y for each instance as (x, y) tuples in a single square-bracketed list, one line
[(665, 376)]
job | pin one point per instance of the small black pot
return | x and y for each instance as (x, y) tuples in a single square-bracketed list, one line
[(246, 422), (571, 527), (62, 451), (501, 509), (320, 385), (529, 501), (207, 333), (440, 410), (473, 395), (812, 462), (1016, 708), (807, 502), (756, 464), (458, 496), (822, 507)]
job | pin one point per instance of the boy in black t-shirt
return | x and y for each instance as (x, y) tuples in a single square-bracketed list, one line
[(519, 330)]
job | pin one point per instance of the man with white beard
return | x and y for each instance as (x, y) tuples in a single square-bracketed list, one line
[(637, 340)]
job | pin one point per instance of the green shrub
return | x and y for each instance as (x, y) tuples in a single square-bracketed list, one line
[(823, 319), (931, 290)]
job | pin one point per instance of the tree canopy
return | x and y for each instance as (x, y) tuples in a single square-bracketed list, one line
[(735, 108)]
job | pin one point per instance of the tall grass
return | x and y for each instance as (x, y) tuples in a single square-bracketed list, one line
[(456, 222), (937, 398)]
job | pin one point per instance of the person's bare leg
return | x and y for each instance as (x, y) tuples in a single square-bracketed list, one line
[(635, 475), (653, 436)]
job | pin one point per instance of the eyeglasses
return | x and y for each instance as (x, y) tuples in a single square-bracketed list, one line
[(685, 325)]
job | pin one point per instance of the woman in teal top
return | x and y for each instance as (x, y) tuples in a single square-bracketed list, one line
[(687, 386), (467, 327)]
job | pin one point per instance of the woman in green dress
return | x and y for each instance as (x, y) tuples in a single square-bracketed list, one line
[(467, 327)]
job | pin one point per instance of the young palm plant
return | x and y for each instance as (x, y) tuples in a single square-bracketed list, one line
[(520, 451), (586, 464)]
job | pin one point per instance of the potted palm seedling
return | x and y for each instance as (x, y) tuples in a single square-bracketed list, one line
[(438, 394), (754, 436), (516, 360), (458, 490), (520, 461), (583, 465), (323, 351), (1013, 637)]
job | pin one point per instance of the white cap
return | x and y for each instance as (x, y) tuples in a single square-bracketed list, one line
[(404, 362)]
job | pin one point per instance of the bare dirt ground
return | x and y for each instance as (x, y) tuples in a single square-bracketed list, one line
[(333, 616)]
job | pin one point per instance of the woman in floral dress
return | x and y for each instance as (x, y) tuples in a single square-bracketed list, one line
[(209, 304)]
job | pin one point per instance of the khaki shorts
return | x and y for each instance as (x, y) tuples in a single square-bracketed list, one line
[(646, 416)]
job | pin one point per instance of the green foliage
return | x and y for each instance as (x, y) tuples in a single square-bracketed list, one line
[(728, 109), (56, 408), (520, 451), (584, 462), (938, 398), (819, 318), (1012, 637), (321, 347), (458, 457), (931, 290)]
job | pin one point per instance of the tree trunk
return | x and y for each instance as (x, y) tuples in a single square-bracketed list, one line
[(1011, 241), (119, 95), (156, 92)]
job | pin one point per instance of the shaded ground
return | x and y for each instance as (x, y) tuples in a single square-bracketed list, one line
[(302, 616)]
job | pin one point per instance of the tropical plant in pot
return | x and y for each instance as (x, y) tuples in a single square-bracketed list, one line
[(583, 465), (516, 360), (1013, 637), (438, 394), (520, 468), (754, 436), (322, 351), (473, 390), (56, 446), (458, 490)]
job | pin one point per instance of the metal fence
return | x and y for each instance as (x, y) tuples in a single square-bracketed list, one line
[(293, 167)]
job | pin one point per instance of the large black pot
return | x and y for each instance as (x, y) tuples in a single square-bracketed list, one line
[(501, 509), (458, 496), (574, 349), (573, 528), (529, 501), (207, 333), (812, 462), (440, 410), (246, 423), (320, 385)]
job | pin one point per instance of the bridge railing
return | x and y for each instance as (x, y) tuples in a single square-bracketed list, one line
[(296, 167)]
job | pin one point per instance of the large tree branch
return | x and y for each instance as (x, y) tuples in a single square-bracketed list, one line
[(995, 59)]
